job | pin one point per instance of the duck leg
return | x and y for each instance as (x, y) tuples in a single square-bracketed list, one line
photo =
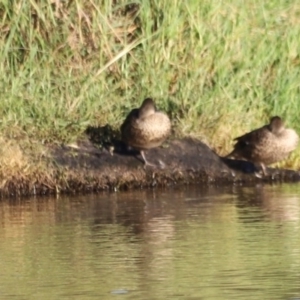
[(261, 170), (145, 160), (263, 167)]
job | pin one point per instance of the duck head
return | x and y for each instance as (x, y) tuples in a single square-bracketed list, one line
[(147, 108), (276, 124)]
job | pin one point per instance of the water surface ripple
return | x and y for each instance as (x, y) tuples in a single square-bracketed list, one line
[(188, 243)]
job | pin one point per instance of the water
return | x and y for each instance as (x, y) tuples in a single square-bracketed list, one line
[(185, 243)]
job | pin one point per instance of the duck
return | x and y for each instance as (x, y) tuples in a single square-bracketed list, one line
[(266, 145), (145, 128)]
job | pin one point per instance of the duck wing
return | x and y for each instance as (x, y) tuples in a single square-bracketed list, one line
[(253, 138)]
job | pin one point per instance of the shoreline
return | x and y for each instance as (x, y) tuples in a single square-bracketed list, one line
[(85, 168)]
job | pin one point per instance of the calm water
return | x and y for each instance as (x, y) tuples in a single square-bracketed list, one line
[(189, 243)]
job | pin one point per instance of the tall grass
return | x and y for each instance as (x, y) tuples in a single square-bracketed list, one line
[(219, 68)]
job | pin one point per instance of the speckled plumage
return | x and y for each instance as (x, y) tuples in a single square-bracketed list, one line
[(266, 145), (145, 127)]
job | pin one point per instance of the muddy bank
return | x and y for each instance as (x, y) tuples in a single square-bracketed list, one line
[(87, 166), (185, 161)]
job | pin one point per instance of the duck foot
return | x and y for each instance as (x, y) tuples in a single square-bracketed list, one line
[(161, 164), (262, 172)]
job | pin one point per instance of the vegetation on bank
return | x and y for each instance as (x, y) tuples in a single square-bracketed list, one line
[(219, 68)]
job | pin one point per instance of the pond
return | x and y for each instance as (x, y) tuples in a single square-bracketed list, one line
[(192, 242)]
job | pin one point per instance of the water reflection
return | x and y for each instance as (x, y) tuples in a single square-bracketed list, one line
[(184, 243)]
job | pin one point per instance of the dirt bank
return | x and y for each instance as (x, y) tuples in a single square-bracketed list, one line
[(87, 166), (185, 161)]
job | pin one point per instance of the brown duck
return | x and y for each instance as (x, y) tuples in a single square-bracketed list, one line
[(266, 145), (145, 128)]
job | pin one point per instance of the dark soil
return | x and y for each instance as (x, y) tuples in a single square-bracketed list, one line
[(97, 164), (185, 161)]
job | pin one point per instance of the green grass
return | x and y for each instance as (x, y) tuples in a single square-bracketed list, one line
[(219, 68)]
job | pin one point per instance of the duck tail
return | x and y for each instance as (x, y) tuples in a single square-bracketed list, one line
[(232, 154)]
